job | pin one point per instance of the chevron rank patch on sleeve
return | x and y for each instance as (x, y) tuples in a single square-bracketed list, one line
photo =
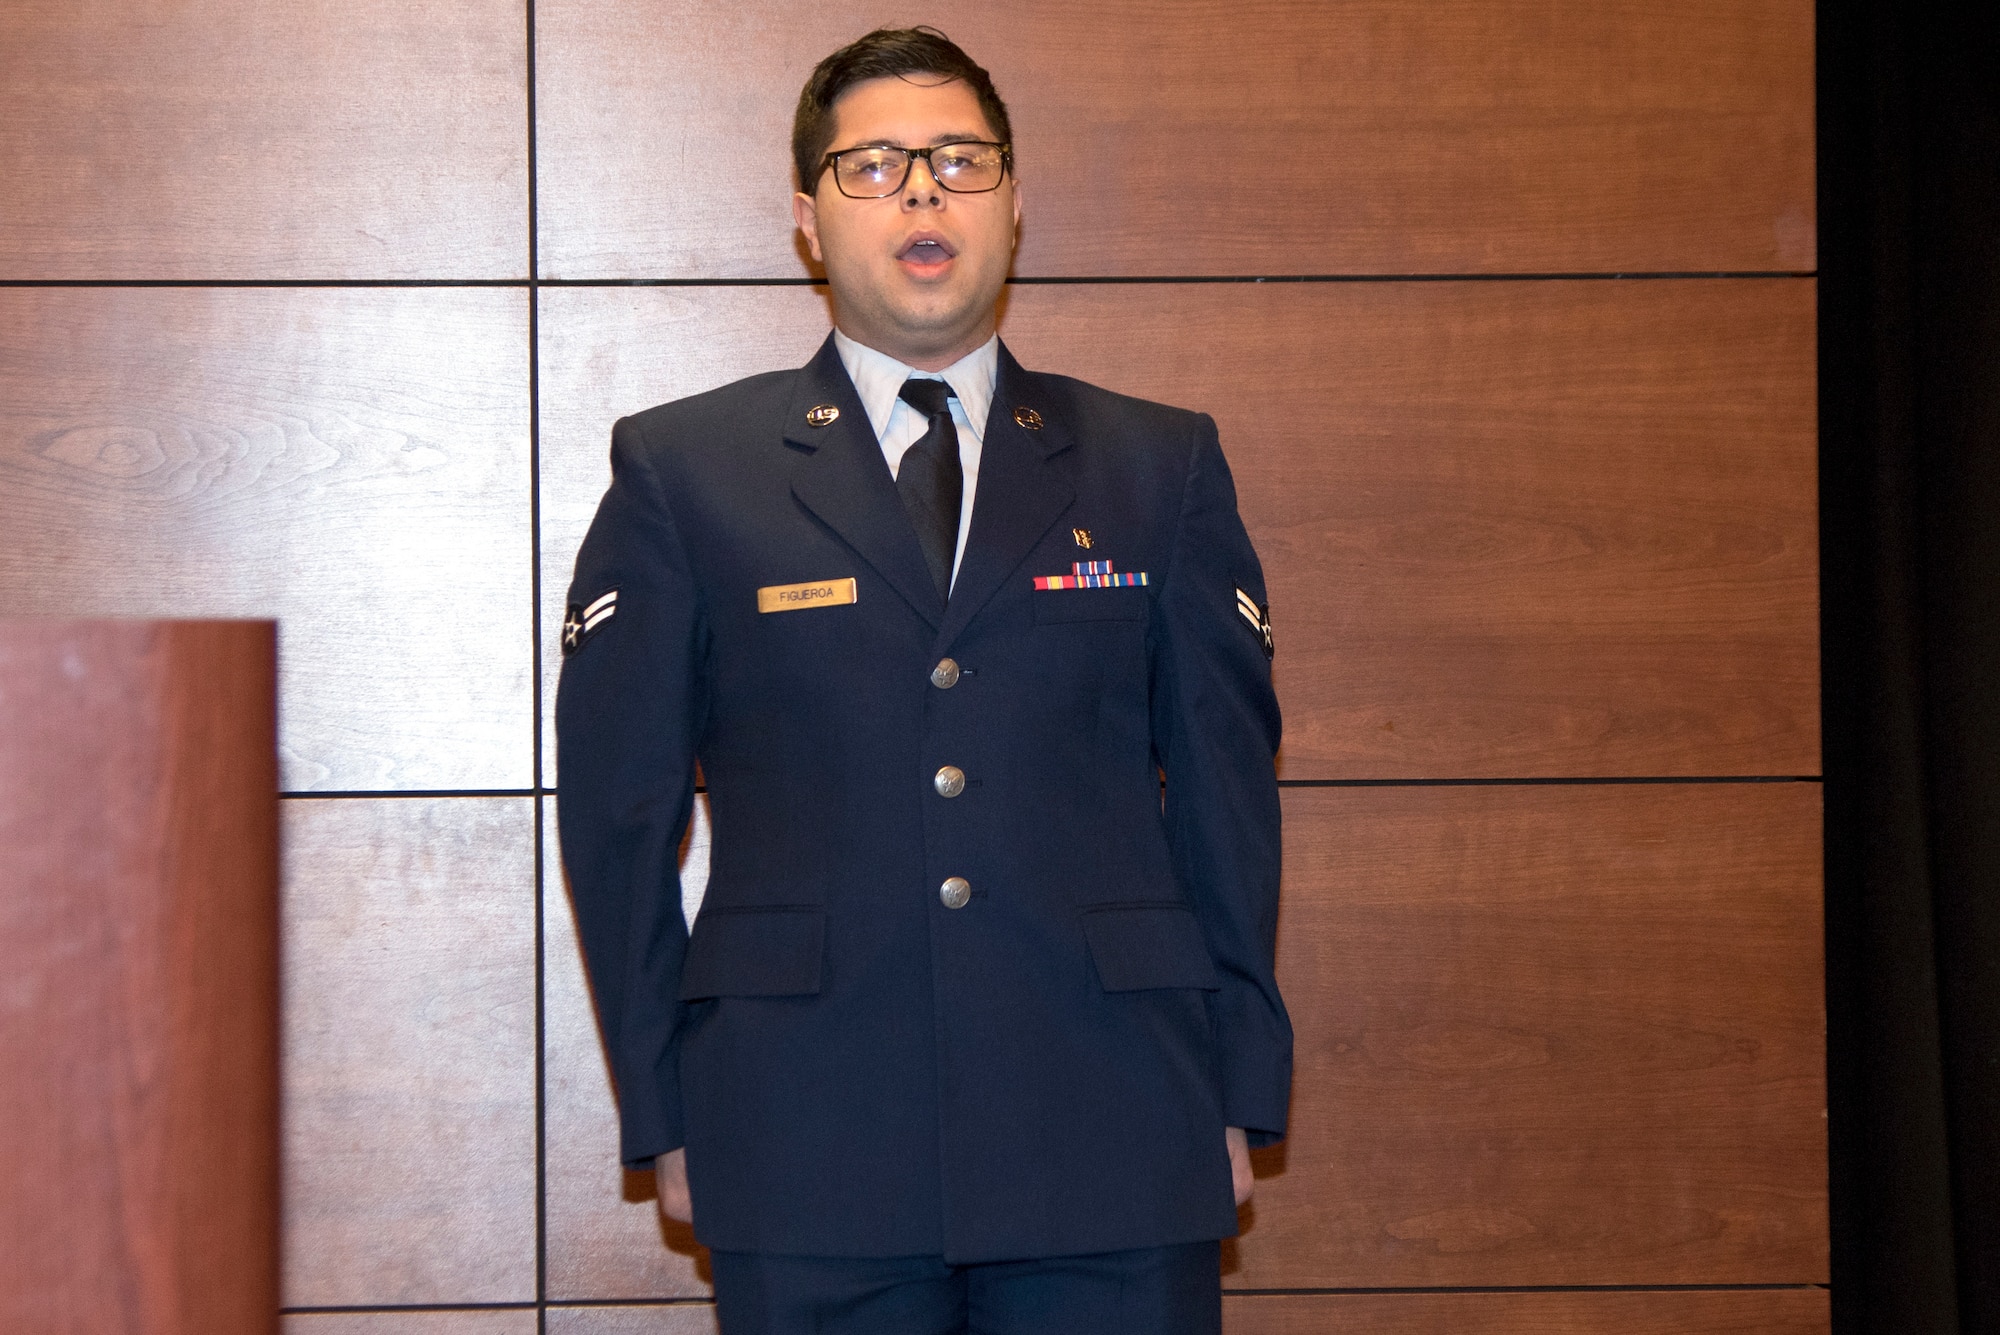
[(1259, 617), (581, 621)]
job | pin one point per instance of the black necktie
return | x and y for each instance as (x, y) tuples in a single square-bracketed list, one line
[(931, 480)]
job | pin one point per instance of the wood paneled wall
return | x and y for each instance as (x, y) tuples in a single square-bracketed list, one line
[(1506, 313)]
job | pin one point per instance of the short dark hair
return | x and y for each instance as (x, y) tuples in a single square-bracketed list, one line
[(882, 54)]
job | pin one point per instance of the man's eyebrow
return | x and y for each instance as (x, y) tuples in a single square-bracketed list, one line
[(949, 137)]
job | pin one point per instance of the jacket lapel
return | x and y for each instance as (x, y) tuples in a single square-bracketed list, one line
[(1021, 493), (842, 478)]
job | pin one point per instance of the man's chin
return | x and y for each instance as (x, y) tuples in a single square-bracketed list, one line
[(925, 330), (912, 322)]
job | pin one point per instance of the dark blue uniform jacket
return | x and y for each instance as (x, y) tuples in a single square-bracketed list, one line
[(856, 1068)]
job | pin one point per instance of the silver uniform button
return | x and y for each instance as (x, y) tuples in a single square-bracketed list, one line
[(956, 892), (949, 781), (945, 675)]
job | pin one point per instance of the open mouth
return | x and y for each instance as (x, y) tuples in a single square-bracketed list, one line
[(925, 250)]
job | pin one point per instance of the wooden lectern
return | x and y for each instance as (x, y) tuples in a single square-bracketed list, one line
[(138, 977)]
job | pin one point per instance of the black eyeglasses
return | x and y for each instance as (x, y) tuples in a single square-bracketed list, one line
[(877, 171)]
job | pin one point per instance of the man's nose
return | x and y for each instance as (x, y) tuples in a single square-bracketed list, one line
[(918, 193)]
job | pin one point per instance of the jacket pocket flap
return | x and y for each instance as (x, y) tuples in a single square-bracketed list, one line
[(1148, 945), (754, 953), (1090, 605)]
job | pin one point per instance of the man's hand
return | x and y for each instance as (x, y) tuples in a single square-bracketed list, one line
[(670, 1175), (1239, 1165)]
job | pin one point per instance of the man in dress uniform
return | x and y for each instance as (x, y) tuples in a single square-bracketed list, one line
[(976, 1023)]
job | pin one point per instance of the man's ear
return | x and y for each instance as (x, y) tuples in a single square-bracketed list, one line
[(1017, 211), (805, 212)]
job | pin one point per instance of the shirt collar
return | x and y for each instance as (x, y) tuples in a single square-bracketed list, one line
[(878, 380)]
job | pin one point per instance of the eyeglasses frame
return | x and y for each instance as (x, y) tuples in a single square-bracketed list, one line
[(1006, 166)]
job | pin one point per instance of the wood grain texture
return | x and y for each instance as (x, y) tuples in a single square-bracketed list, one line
[(1275, 137), (675, 1319), (1509, 529), (409, 1051), (606, 1237), (1770, 1312), (353, 462), (138, 977), (1549, 1035), (231, 139), (511, 1322)]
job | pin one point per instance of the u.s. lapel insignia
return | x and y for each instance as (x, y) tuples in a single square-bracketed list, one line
[(582, 621), (1259, 618), (822, 414), (1092, 575), (1082, 536), (1028, 418)]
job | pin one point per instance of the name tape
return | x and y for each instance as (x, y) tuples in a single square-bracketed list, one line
[(797, 597)]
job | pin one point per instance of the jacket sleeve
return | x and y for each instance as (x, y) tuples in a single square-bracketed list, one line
[(1216, 730), (630, 707)]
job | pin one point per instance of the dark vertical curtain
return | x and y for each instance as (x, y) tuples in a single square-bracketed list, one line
[(1909, 159)]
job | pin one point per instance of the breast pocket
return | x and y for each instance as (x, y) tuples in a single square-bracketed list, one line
[(754, 953), (1062, 605), (1140, 946)]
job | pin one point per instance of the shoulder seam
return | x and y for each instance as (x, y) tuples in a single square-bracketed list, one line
[(1187, 492), (658, 492)]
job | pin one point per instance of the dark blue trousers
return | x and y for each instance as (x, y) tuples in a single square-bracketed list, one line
[(1153, 1291)]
